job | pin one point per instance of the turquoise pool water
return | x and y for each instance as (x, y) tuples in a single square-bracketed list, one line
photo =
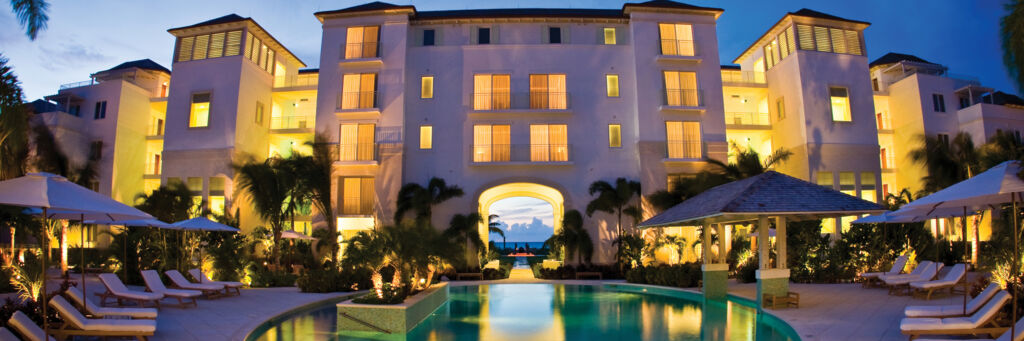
[(518, 312)]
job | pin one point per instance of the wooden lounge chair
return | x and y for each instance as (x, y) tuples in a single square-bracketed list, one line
[(870, 278), (953, 310), (100, 312), (7, 335), (1019, 326), (27, 328), (899, 284), (76, 324), (228, 286), (981, 322), (117, 289), (154, 284), (210, 290), (948, 281), (913, 273)]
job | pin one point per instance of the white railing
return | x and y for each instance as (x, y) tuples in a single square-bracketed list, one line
[(744, 77), (291, 122), (748, 119), (301, 80), (77, 84)]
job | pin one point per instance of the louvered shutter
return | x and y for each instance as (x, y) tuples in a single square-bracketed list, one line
[(234, 42), (185, 49), (806, 37)]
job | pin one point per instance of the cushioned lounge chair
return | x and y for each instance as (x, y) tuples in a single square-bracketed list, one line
[(28, 329), (953, 310), (236, 286), (7, 335), (101, 312), (179, 281), (76, 324), (897, 267), (155, 284), (1019, 327), (117, 289), (948, 281), (900, 284), (981, 322)]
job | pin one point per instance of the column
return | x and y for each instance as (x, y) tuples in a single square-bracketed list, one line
[(774, 282), (715, 271), (723, 242), (780, 242)]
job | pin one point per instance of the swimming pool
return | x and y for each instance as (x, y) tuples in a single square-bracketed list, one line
[(553, 312)]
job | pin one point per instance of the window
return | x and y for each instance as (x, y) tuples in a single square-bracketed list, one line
[(75, 110), (965, 102), (195, 186), (491, 143), (428, 37), (549, 142), (827, 39), (779, 48), (612, 82), (216, 45), (259, 113), (938, 103), (427, 87), (357, 142), (884, 121), (681, 89), (234, 43), (614, 136), (153, 165), (548, 92), (874, 84), (359, 91), (426, 137), (943, 138), (361, 42), (356, 196), (216, 197), (96, 150), (676, 39), (847, 183), (554, 35), (884, 156), (483, 35), (867, 187), (825, 179), (200, 111), (491, 92), (609, 36), (185, 48), (259, 53), (840, 100), (683, 138), (780, 108), (199, 50), (101, 110)]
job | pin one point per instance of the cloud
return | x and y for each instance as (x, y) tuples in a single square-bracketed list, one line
[(71, 55), (534, 231)]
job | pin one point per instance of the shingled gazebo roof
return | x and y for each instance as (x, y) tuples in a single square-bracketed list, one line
[(768, 194)]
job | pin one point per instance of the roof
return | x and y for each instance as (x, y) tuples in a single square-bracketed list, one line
[(770, 193), (310, 70), (145, 64), (40, 106), (893, 58), (803, 12), (233, 18), (670, 5), (367, 7), (730, 67), (230, 18), (517, 12), (1003, 98)]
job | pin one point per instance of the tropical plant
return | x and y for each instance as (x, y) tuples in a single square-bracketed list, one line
[(494, 226), (630, 251), (314, 179), (420, 200), (747, 163), (464, 230), (615, 200), (946, 163), (414, 251), (271, 187), (573, 238), (27, 277), (893, 201), (13, 124), (1011, 29), (31, 15)]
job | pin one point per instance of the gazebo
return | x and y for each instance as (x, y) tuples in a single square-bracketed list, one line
[(760, 198)]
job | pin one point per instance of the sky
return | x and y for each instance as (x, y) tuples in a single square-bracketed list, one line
[(88, 36), (524, 219)]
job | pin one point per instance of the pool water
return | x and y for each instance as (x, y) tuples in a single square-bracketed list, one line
[(518, 312)]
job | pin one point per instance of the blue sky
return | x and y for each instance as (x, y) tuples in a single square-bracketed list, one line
[(524, 219), (88, 36)]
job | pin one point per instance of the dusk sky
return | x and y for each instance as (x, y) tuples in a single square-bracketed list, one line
[(88, 36)]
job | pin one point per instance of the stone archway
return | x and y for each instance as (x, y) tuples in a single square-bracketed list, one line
[(520, 189)]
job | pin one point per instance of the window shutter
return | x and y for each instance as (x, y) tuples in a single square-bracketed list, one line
[(217, 45), (806, 37), (790, 40), (199, 51), (185, 49), (853, 42), (270, 61), (838, 40), (821, 39), (234, 42), (248, 45)]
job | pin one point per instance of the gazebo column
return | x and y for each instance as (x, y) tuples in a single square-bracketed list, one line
[(715, 271), (774, 282)]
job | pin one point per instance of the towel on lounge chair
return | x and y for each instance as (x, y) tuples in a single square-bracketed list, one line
[(154, 284), (236, 286), (136, 313), (118, 290), (955, 274), (953, 309)]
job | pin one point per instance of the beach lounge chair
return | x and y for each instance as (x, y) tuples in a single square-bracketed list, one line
[(1019, 327), (100, 312), (981, 322), (155, 284), (199, 275), (27, 328), (948, 281), (953, 310), (117, 289), (77, 324), (897, 267), (913, 273), (7, 335), (899, 283), (211, 290)]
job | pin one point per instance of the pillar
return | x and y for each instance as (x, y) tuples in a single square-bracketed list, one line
[(780, 242), (723, 243), (771, 281), (715, 273)]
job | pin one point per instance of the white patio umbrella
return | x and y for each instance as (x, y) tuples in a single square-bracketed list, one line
[(203, 224), (47, 191), (290, 234)]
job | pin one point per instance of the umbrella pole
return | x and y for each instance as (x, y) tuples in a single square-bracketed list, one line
[(81, 247), (1016, 256), (967, 251), (125, 265), (46, 251)]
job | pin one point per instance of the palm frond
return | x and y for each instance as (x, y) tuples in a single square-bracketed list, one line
[(31, 15)]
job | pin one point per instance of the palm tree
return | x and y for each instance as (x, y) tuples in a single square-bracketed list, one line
[(31, 15), (1012, 31), (13, 124), (494, 226), (573, 238), (269, 186), (171, 202), (420, 200), (747, 163), (466, 229), (314, 180), (614, 199), (946, 163)]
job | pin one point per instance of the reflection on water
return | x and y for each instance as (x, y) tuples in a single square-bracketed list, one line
[(552, 312)]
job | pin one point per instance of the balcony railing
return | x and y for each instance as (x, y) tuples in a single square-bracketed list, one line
[(357, 100), (492, 153), (676, 47), (684, 149), (309, 80), (743, 77), (77, 84), (291, 122), (355, 206), (884, 121), (368, 49), (748, 119), (351, 152), (684, 98), (534, 100), (888, 160)]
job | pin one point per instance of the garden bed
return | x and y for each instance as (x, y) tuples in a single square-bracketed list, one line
[(395, 318)]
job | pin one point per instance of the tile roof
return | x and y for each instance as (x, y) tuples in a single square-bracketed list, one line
[(367, 7), (220, 20), (893, 57), (670, 4), (765, 194), (145, 64), (804, 12), (518, 12)]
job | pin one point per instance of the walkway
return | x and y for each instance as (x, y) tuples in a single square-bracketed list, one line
[(521, 274)]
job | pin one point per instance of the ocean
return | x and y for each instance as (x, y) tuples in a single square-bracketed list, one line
[(511, 244)]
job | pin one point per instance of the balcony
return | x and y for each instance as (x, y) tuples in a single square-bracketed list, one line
[(152, 170), (884, 122), (292, 122), (522, 154), (355, 206), (298, 82), (755, 120), (531, 102), (683, 150), (358, 153), (675, 50), (685, 100), (361, 55), (356, 104), (77, 84), (743, 78)]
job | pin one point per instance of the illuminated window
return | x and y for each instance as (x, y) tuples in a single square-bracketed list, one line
[(683, 139), (681, 89), (609, 36), (548, 92), (868, 190), (848, 183), (426, 137), (491, 92), (614, 136), (200, 112), (234, 43), (361, 42), (356, 196), (840, 99), (491, 143), (217, 200), (549, 142), (427, 87), (612, 82), (676, 39), (825, 179), (780, 108), (357, 142), (195, 187), (938, 103), (358, 91)]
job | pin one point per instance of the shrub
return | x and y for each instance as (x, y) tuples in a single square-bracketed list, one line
[(747, 272), (392, 295), (333, 280), (569, 271), (686, 275), (263, 277)]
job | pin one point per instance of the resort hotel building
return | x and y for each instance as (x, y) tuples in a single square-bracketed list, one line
[(517, 102)]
